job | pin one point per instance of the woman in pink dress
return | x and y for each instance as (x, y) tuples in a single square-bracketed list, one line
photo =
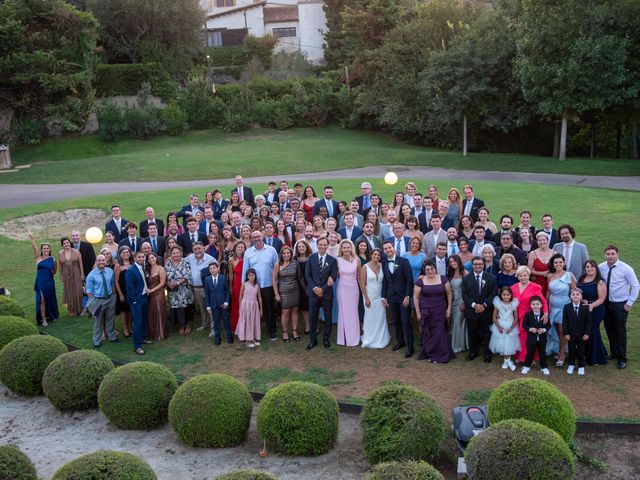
[(348, 295), (523, 291), (235, 280), (248, 329)]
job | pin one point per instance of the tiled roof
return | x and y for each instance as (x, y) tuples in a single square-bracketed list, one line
[(287, 13), (239, 9)]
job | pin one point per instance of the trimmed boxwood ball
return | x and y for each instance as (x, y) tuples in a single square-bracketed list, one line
[(534, 400), (15, 465), (71, 381), (8, 306), (211, 410), (298, 418), (24, 360), (106, 465), (519, 449), (408, 470), (400, 422), (249, 474), (136, 396), (12, 327)]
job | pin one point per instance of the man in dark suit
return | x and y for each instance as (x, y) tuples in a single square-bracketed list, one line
[(399, 240), (190, 210), (364, 200), (547, 227), (236, 224), (245, 193), (471, 204), (116, 224), (478, 242), (269, 239), (284, 187), (217, 295), (368, 236), (320, 273), (86, 250), (506, 224), (397, 286), (132, 240), (158, 243), (205, 224), (576, 326), (328, 202), (150, 218), (420, 213), (507, 246), (349, 231), (443, 210), (136, 287), (478, 291), (191, 236), (219, 204), (283, 201), (376, 204)]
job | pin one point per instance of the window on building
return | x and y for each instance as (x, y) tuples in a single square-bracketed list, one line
[(225, 3), (284, 32), (214, 38)]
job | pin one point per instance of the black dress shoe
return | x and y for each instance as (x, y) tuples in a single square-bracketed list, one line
[(229, 341), (311, 345), (217, 342), (326, 343), (398, 346), (611, 356), (471, 356), (488, 358), (622, 364), (408, 355)]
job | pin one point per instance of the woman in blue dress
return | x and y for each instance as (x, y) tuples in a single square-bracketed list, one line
[(594, 292), (560, 283), (45, 286), (416, 259)]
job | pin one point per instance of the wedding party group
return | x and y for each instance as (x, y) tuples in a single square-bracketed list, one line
[(304, 261)]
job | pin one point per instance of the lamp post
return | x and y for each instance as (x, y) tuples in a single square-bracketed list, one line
[(210, 74)]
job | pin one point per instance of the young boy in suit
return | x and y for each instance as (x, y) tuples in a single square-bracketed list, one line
[(536, 329), (576, 324), (217, 294)]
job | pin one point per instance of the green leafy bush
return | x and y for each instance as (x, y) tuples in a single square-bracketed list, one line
[(519, 449), (260, 48), (211, 411), (106, 465), (136, 396), (228, 92), (14, 327), (174, 119), (142, 123), (111, 123), (249, 474), (408, 470), (226, 56), (280, 114), (15, 465), (197, 101), (71, 381), (401, 423), (298, 418), (534, 400), (124, 79), (24, 360), (8, 306)]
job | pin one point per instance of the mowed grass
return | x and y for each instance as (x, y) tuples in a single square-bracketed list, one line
[(213, 154)]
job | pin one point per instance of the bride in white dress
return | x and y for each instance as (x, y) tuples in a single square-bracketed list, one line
[(375, 330)]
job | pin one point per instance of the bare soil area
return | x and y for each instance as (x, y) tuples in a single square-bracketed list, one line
[(53, 225)]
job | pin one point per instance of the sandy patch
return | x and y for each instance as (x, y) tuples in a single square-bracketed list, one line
[(53, 225)]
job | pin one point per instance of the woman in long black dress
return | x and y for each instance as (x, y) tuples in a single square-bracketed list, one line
[(594, 291), (122, 306), (303, 251)]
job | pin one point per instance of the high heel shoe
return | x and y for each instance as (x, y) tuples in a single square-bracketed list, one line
[(296, 337), (286, 340)]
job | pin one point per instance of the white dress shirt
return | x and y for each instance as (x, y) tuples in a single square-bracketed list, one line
[(623, 286)]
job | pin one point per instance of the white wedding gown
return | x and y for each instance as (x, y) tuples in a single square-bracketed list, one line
[(374, 327)]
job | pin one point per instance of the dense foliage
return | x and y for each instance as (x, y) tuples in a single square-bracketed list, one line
[(408, 470), (246, 475), (106, 465), (8, 306), (12, 327), (15, 465)]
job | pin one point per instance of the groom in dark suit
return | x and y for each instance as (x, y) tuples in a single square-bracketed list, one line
[(478, 291), (320, 272), (397, 286), (138, 301)]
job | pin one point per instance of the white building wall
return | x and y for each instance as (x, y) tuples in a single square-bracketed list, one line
[(254, 21), (286, 44), (313, 24)]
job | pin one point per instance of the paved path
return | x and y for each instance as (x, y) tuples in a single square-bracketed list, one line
[(16, 195)]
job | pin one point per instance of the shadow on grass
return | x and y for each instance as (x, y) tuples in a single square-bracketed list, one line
[(261, 379)]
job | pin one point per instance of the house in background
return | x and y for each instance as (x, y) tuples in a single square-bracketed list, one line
[(299, 25)]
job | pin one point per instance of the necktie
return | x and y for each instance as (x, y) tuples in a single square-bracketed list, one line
[(133, 245), (454, 250), (398, 249), (609, 281), (154, 245), (270, 242), (321, 263), (105, 287), (329, 207), (193, 238), (479, 282), (576, 311), (366, 202)]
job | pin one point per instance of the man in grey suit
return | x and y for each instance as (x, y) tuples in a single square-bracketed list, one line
[(369, 237), (575, 253), (435, 236)]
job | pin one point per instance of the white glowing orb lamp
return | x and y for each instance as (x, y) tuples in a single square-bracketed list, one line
[(93, 235), (391, 178)]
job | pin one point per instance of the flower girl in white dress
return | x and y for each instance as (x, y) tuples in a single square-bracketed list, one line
[(505, 334)]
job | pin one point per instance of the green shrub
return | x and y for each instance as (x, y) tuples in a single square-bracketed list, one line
[(174, 119), (298, 418), (8, 306), (197, 101), (280, 114), (249, 474), (14, 327), (519, 449), (106, 465), (227, 56), (408, 470), (71, 381), (27, 130), (111, 124), (260, 48), (142, 123), (15, 465), (24, 360), (401, 423), (228, 92), (534, 400), (211, 411), (136, 396), (124, 79)]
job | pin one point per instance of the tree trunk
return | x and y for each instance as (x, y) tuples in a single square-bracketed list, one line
[(464, 136), (618, 139), (593, 138), (634, 141), (556, 140), (563, 138)]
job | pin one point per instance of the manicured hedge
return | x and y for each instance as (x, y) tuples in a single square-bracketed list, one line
[(24, 360), (408, 470), (12, 327), (519, 449), (400, 422), (298, 418), (124, 78), (8, 306), (211, 411), (535, 400), (136, 396), (106, 465), (246, 475), (227, 56), (71, 381), (15, 465)]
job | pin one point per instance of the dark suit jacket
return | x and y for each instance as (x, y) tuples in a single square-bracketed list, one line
[(364, 214), (185, 212), (184, 241), (355, 232), (316, 278), (134, 285), (119, 235), (145, 223), (446, 223), (88, 255), (203, 226), (423, 225), (216, 296), (236, 230), (518, 253), (125, 241), (398, 285), (376, 241), (218, 208), (275, 243), (496, 237), (322, 203), (360, 200), (475, 206), (248, 195), (393, 239), (162, 246), (470, 293), (529, 321), (573, 325)]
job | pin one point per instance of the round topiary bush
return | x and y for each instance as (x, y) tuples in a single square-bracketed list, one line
[(12, 327), (534, 400), (106, 465), (408, 470), (15, 465), (8, 306), (211, 411), (24, 360), (136, 396), (246, 475), (401, 423), (298, 418), (71, 381), (519, 449)]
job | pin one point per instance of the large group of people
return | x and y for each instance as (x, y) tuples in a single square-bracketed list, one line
[(289, 257)]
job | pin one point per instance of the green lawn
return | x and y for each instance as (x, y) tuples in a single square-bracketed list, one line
[(212, 154)]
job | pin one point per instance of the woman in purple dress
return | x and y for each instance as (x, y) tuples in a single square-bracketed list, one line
[(432, 299)]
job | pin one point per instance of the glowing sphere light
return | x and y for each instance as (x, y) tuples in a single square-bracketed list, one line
[(391, 178), (93, 235)]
